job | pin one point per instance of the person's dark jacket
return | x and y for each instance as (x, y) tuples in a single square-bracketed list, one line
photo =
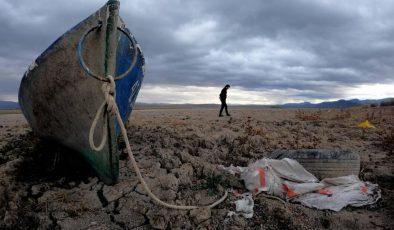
[(223, 94)]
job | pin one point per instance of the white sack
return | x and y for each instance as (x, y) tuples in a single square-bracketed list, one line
[(287, 179)]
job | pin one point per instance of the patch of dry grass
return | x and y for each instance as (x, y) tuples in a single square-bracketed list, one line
[(304, 115), (386, 140), (10, 111)]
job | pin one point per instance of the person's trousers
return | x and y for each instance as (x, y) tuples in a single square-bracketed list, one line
[(224, 106)]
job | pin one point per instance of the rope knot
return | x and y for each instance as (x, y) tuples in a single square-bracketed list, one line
[(108, 89)]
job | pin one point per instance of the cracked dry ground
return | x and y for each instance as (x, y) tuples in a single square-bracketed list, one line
[(45, 186)]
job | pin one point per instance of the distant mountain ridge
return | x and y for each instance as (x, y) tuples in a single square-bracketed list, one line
[(323, 105), (335, 104), (9, 105)]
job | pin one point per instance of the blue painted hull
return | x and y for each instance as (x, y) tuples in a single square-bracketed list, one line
[(60, 99)]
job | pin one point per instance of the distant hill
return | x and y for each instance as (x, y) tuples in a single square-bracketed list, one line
[(323, 105), (9, 105), (335, 104), (327, 104)]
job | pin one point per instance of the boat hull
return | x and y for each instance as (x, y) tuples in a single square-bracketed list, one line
[(60, 99)]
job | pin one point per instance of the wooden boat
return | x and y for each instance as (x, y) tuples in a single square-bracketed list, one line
[(61, 91)]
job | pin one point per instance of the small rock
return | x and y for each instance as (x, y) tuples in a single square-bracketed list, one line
[(11, 166), (184, 174), (129, 218), (35, 190), (169, 181), (111, 193), (92, 181), (158, 218), (90, 200), (200, 215), (138, 203)]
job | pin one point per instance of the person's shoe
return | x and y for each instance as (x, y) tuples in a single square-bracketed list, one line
[(228, 115), (220, 115)]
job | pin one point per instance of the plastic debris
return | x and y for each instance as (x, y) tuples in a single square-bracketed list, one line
[(366, 125), (348, 190), (287, 179), (244, 206)]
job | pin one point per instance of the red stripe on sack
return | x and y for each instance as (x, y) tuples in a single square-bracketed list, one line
[(236, 193), (289, 192), (364, 189), (325, 191), (262, 177)]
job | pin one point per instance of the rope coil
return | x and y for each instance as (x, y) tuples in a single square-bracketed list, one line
[(108, 89)]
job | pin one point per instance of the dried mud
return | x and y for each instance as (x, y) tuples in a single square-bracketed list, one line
[(46, 186)]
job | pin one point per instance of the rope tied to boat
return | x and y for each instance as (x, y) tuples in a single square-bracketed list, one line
[(108, 89)]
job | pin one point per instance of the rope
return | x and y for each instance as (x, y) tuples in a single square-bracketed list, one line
[(109, 92)]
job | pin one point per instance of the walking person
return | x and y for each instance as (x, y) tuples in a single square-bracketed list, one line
[(223, 96)]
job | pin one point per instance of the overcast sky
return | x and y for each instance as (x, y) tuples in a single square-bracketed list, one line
[(268, 51)]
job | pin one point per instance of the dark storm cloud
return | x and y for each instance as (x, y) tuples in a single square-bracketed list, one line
[(333, 44), (28, 28), (309, 46)]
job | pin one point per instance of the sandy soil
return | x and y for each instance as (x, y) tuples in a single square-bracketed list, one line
[(45, 186)]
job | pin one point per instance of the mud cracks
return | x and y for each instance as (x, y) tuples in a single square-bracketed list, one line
[(45, 186)]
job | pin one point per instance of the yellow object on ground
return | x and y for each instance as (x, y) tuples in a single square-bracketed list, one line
[(366, 125)]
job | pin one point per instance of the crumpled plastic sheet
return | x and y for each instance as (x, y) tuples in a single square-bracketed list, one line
[(287, 179), (355, 194), (245, 205)]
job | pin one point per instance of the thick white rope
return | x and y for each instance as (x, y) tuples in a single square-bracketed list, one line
[(109, 92)]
